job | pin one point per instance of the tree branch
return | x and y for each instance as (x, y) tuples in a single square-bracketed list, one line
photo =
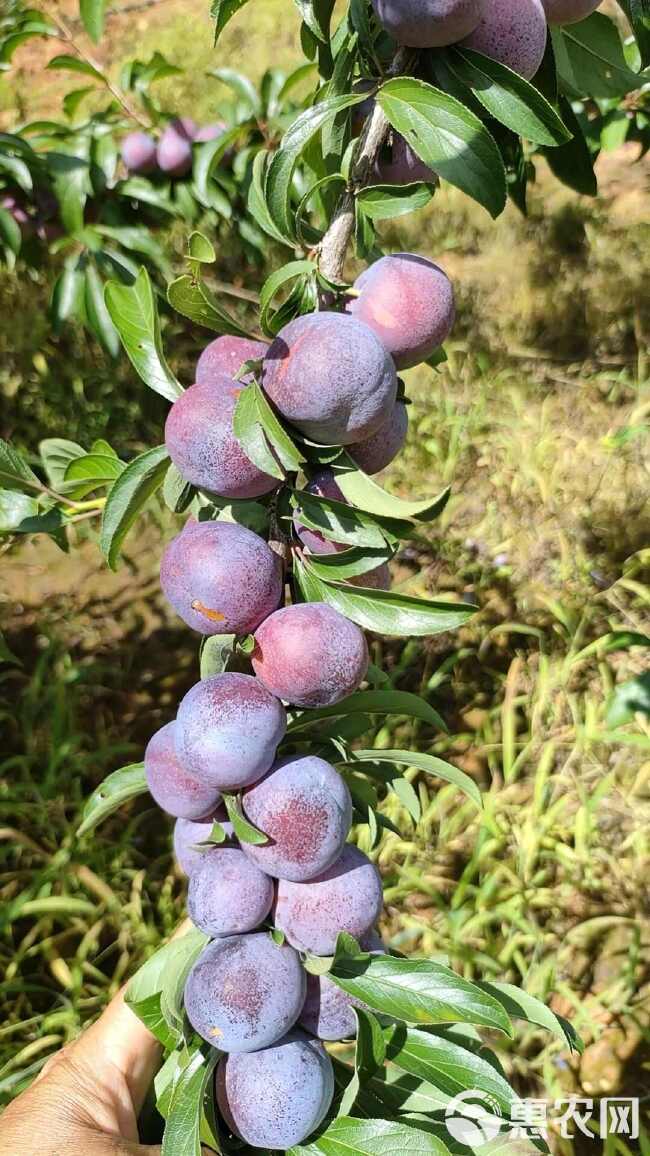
[(333, 247), (66, 35)]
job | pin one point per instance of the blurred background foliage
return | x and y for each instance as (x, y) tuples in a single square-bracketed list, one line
[(539, 420)]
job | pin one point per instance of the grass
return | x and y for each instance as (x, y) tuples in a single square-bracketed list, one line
[(539, 420)]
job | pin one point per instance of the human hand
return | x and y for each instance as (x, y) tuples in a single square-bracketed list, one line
[(87, 1099)]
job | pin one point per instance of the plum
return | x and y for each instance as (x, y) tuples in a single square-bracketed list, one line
[(221, 578), (569, 11), (202, 445), (210, 131), (172, 787), (174, 152), (409, 303), (138, 150), (398, 164), (346, 897), (513, 32), (226, 355), (17, 209), (328, 1010), (228, 894), (378, 451), (305, 808), (277, 1097), (227, 730), (427, 23), (330, 375), (188, 836), (309, 655), (245, 992)]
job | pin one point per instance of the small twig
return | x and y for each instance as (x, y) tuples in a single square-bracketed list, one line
[(334, 244), (122, 99)]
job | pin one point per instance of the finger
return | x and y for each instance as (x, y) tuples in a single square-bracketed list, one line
[(120, 1040)]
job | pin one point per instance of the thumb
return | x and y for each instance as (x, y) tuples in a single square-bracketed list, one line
[(120, 1040)]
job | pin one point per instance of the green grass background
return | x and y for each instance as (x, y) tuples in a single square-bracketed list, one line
[(539, 421)]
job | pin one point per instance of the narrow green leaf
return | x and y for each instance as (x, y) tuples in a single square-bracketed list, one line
[(245, 831), (430, 764), (117, 789), (350, 1137), (446, 1067), (97, 314), (15, 474), (418, 991), (280, 173), (448, 138), (92, 13), (275, 282), (384, 202), (190, 296), (346, 564), (509, 98), (381, 611), (520, 1005), (339, 522), (370, 1054), (384, 702), (135, 316), (222, 11), (76, 64), (215, 653), (127, 497), (251, 436), (573, 163), (366, 495)]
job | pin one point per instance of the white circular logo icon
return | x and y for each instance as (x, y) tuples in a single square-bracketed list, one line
[(473, 1118)]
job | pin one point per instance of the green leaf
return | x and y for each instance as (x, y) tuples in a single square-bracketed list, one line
[(92, 13), (127, 497), (257, 206), (346, 564), (366, 495), (382, 612), (207, 157), (177, 493), (339, 522), (509, 98), (7, 655), (262, 436), (240, 85), (317, 14), (183, 1125), (215, 654), (270, 287), (384, 702), (280, 172), (76, 64), (418, 991), (573, 163), (135, 316), (190, 296), (68, 293), (446, 1067), (10, 233), (520, 1005), (244, 830), (591, 61), (627, 699), (383, 202), (98, 316), (15, 474), (430, 764), (448, 138), (222, 11), (94, 469), (349, 1137), (155, 992), (117, 789), (370, 1053)]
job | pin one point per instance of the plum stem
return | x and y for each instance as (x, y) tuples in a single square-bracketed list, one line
[(334, 245)]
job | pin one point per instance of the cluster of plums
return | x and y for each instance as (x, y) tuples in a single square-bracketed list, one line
[(333, 376), (172, 154), (512, 32)]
